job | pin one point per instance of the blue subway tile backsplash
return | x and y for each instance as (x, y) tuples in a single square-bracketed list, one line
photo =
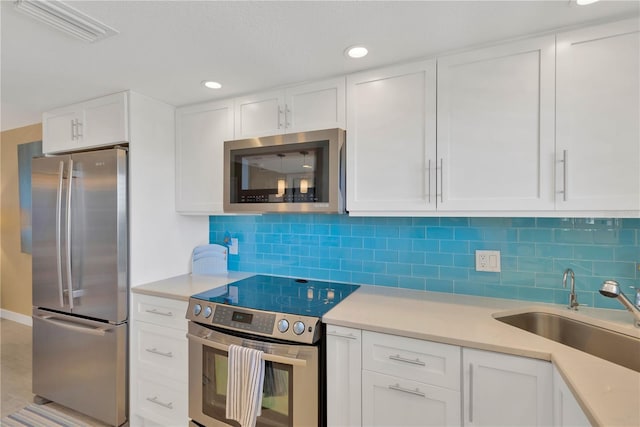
[(437, 254)]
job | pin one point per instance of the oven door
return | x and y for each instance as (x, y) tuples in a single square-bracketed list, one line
[(290, 393)]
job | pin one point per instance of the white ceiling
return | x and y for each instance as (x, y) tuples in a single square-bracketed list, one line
[(166, 48)]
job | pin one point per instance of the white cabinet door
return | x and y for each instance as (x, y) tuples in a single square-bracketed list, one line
[(98, 122), (496, 128), (300, 108), (315, 106), (598, 136), (566, 410), (260, 115), (391, 150), (200, 134), (59, 129), (106, 120), (393, 401), (343, 376), (505, 390)]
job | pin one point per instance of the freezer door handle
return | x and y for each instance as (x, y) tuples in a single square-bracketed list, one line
[(100, 331), (59, 231), (69, 278)]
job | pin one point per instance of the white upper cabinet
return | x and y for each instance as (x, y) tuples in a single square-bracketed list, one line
[(391, 140), (200, 133), (495, 142), (313, 106), (98, 122), (598, 137)]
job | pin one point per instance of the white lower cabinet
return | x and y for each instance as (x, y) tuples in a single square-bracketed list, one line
[(344, 370), (376, 379), (505, 390), (159, 362), (566, 410)]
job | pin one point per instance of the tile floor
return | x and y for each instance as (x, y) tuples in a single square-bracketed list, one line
[(15, 372)]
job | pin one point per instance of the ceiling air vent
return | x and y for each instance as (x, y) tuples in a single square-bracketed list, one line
[(65, 18)]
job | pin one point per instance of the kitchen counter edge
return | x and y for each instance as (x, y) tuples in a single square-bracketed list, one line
[(183, 286)]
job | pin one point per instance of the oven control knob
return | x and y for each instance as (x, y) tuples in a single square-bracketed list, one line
[(298, 328), (197, 309), (283, 325), (207, 311)]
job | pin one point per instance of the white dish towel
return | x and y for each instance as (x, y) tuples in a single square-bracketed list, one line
[(245, 379)]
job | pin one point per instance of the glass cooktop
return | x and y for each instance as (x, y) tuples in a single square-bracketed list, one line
[(281, 295)]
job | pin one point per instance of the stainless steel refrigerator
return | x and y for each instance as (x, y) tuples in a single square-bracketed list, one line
[(80, 282)]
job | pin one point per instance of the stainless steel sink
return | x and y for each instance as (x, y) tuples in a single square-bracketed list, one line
[(615, 347)]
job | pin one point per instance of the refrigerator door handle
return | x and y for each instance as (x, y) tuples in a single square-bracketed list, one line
[(74, 327), (58, 230), (69, 278)]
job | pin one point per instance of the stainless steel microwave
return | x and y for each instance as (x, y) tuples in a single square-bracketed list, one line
[(297, 172)]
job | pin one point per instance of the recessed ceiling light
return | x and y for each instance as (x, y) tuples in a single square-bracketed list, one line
[(585, 2), (356, 51), (211, 84)]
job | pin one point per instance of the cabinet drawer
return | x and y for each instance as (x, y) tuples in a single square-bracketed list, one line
[(160, 311), (392, 401), (161, 349), (162, 401), (417, 360)]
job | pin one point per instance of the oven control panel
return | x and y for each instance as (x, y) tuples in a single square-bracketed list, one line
[(284, 326)]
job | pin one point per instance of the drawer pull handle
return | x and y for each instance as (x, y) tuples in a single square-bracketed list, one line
[(160, 313), (161, 353), (348, 336), (155, 400), (399, 358), (416, 392)]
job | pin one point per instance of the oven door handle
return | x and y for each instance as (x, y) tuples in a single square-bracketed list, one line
[(266, 356)]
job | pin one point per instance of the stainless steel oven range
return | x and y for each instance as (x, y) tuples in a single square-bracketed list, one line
[(280, 316)]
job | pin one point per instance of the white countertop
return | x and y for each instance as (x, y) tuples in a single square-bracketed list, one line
[(182, 287), (608, 393)]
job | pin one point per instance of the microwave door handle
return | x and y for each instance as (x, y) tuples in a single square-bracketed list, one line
[(267, 357), (68, 248), (59, 232)]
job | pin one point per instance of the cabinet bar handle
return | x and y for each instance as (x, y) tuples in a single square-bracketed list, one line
[(348, 336), (73, 129), (286, 116), (399, 358), (161, 353), (155, 400), (279, 117), (564, 175), (160, 313), (416, 392), (471, 393)]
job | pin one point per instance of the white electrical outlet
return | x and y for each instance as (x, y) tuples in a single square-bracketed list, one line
[(233, 247), (488, 261)]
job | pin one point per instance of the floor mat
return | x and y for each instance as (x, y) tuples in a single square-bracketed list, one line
[(40, 416)]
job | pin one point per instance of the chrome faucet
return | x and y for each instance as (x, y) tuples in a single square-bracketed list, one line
[(611, 289), (573, 298)]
